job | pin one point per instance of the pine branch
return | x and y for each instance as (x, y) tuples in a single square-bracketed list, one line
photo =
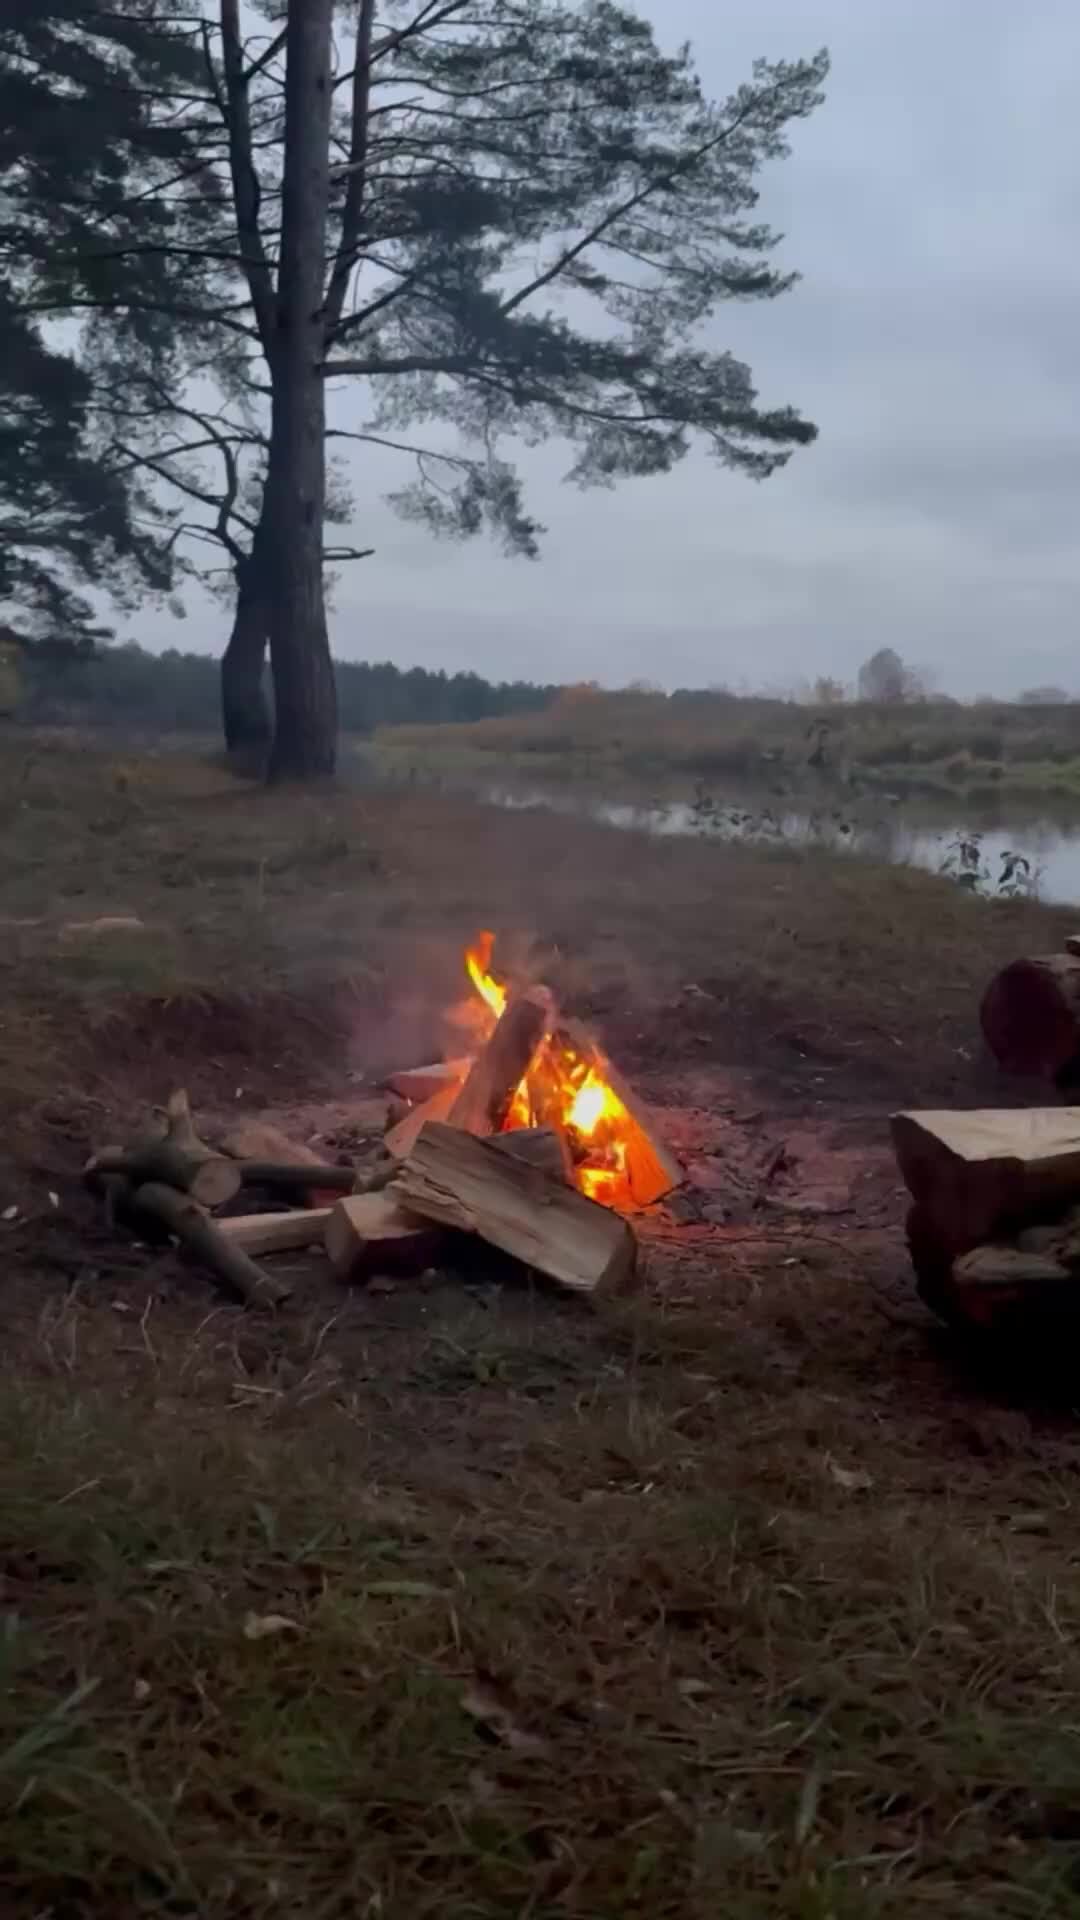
[(353, 213), (247, 191)]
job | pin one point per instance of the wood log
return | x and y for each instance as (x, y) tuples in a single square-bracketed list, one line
[(261, 1143), (542, 1147), (402, 1135), (176, 1158), (372, 1233), (181, 1216), (1030, 1015), (483, 1104), (465, 1182), (978, 1176), (301, 1180), (257, 1233), (419, 1083)]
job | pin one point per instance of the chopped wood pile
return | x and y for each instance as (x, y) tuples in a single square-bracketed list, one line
[(994, 1226), (458, 1162)]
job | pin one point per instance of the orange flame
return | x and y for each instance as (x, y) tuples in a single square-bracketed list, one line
[(477, 962), (570, 1093)]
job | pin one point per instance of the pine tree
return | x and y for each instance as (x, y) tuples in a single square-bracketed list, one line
[(481, 136), (512, 218), (87, 231)]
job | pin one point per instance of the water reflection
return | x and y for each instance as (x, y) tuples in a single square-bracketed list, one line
[(1052, 847)]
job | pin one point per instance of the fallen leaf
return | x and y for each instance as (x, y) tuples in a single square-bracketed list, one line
[(481, 1702), (142, 1691), (9, 1214), (380, 1284), (54, 1199), (852, 1479), (261, 1626)]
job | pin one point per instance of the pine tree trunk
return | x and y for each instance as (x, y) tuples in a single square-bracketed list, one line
[(245, 711), (305, 702)]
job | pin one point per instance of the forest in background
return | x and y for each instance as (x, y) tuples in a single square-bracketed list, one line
[(128, 690)]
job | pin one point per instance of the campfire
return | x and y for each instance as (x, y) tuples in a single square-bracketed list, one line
[(531, 1142), (536, 1069)]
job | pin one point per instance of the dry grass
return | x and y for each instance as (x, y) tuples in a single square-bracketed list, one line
[(743, 1603), (619, 1635), (933, 746), (780, 956)]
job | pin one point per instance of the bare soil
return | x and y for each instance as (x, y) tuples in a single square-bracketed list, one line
[(754, 1596)]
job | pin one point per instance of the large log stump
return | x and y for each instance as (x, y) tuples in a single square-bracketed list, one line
[(1030, 1016)]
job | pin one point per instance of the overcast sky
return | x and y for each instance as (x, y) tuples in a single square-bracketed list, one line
[(933, 207)]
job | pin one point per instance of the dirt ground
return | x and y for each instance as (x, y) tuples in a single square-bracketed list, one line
[(751, 1595)]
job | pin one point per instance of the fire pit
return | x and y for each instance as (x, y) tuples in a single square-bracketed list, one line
[(532, 1142)]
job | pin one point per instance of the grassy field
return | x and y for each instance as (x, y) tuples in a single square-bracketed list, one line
[(937, 747), (747, 1598)]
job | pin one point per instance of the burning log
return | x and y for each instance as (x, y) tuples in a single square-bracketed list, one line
[(1030, 1016), (487, 1095), (185, 1220), (648, 1171), (177, 1158), (465, 1182), (371, 1233)]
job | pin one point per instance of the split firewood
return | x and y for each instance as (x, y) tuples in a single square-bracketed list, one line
[(465, 1182), (177, 1158), (483, 1104), (419, 1083), (372, 1233), (1030, 1015), (258, 1233), (977, 1176), (542, 1147), (182, 1217), (399, 1140)]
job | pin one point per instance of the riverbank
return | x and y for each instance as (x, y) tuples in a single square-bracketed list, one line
[(942, 748)]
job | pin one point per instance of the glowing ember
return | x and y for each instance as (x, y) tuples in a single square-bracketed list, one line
[(565, 1090)]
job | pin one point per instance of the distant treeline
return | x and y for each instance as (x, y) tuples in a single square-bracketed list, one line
[(127, 688)]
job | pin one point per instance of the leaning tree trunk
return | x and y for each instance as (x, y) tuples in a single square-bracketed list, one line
[(305, 702), (245, 711)]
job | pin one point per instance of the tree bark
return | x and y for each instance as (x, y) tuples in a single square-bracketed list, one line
[(305, 702), (245, 710)]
